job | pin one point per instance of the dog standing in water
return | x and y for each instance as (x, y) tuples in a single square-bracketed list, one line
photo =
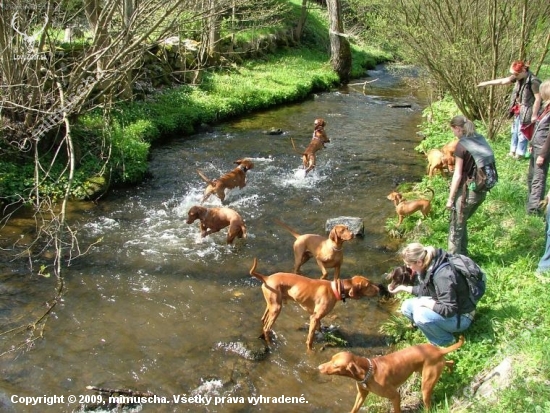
[(317, 143)]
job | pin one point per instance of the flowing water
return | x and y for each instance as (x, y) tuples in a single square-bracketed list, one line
[(153, 307)]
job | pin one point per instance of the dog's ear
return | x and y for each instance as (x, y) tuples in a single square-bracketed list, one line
[(352, 289), (238, 161), (332, 235), (356, 372)]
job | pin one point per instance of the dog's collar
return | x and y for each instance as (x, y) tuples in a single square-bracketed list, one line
[(368, 374), (337, 249), (342, 296)]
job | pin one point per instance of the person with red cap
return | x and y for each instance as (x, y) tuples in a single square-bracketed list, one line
[(525, 103)]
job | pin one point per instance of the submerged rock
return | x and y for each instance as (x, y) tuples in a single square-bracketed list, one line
[(254, 350), (273, 131), (354, 224)]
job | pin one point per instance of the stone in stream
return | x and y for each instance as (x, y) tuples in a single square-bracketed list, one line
[(273, 131), (354, 224), (254, 350)]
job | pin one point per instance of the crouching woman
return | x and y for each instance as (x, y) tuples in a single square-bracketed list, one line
[(442, 305)]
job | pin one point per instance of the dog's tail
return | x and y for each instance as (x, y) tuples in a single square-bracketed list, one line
[(455, 346), (253, 272), (433, 193), (289, 229), (204, 177), (294, 147)]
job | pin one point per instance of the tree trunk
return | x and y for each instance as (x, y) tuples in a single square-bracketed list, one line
[(299, 30), (340, 50)]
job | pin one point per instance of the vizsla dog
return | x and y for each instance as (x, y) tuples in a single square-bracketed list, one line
[(215, 219), (327, 251), (232, 179), (405, 208), (317, 297), (439, 161), (400, 275), (316, 144), (383, 375), (449, 148)]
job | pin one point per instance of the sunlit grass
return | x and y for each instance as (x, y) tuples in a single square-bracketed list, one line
[(513, 318)]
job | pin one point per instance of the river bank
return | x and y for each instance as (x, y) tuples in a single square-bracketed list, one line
[(512, 323)]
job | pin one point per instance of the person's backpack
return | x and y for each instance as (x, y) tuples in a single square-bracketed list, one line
[(484, 179), (485, 175), (472, 273)]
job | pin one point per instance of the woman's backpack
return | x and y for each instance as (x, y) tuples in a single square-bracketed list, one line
[(484, 178), (472, 273)]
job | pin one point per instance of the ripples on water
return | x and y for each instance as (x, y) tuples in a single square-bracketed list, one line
[(156, 307)]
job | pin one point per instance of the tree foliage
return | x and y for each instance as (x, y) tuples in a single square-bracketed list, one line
[(460, 43)]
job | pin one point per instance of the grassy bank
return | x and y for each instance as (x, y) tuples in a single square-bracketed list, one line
[(131, 129), (513, 319)]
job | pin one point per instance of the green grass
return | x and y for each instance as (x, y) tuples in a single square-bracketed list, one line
[(513, 318)]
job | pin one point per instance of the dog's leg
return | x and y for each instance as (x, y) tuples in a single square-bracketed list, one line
[(274, 303), (427, 210), (400, 220), (301, 256), (311, 163), (207, 193), (396, 402), (324, 271), (314, 325), (204, 229), (233, 232), (430, 376), (337, 279), (362, 393)]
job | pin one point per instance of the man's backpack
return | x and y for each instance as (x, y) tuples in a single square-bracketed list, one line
[(472, 273), (484, 179)]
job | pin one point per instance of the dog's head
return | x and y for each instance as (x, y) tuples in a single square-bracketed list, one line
[(319, 123), (194, 213), (362, 287), (395, 197), (449, 162), (245, 164), (342, 364), (341, 232), (400, 275)]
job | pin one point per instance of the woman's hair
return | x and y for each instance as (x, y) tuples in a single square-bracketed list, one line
[(415, 252), (544, 91), (468, 127), (519, 65)]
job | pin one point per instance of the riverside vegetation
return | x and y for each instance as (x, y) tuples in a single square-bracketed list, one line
[(512, 320), (114, 145)]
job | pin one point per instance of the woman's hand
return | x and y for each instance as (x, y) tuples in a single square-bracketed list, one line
[(404, 288), (540, 161), (450, 204)]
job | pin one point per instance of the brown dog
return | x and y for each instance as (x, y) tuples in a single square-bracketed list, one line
[(328, 252), (317, 297), (215, 219), (400, 275), (316, 144), (439, 161), (232, 179), (449, 148), (405, 208), (383, 375)]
